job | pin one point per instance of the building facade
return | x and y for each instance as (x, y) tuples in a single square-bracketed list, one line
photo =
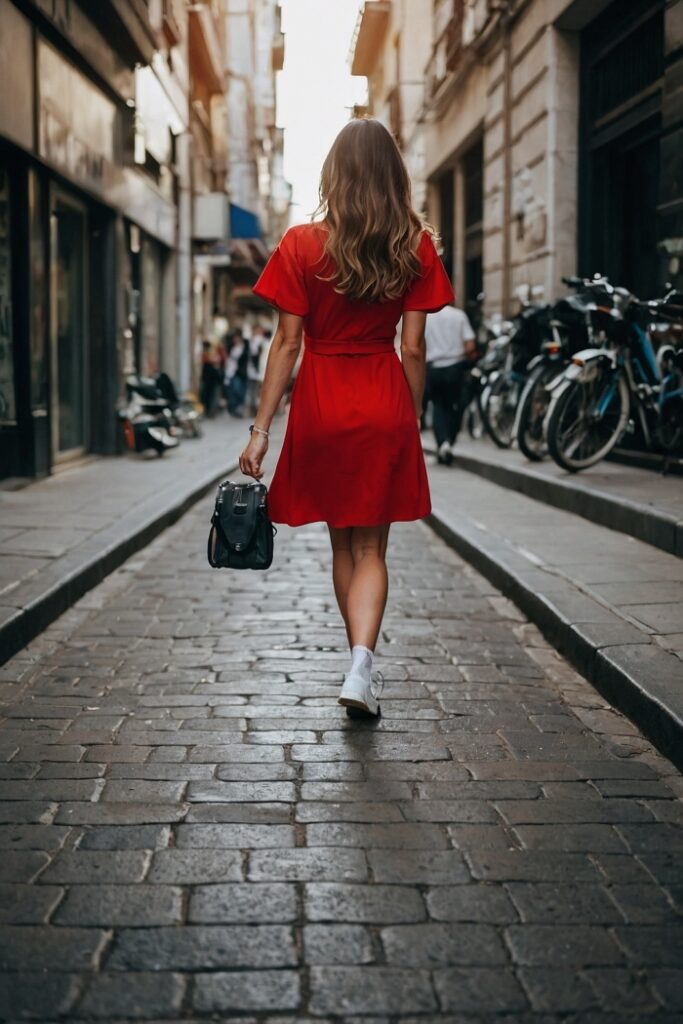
[(259, 195), (551, 138), (391, 46), (139, 161), (94, 101)]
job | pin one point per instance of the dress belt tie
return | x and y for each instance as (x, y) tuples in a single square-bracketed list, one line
[(351, 347)]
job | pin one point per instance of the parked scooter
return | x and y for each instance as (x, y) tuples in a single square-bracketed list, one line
[(152, 415), (159, 395), (145, 431), (182, 408)]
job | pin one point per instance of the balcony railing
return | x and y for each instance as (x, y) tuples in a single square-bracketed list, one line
[(454, 37), (206, 59), (457, 23)]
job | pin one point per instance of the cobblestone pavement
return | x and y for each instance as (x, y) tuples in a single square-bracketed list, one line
[(191, 827)]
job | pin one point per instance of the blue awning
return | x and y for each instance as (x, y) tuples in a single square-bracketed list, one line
[(244, 223)]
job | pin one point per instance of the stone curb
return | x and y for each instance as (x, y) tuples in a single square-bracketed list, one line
[(48, 595), (639, 678), (639, 521)]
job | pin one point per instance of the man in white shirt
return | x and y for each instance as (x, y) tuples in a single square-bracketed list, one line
[(257, 343), (451, 349)]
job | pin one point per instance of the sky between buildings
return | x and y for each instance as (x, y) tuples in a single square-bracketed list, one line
[(315, 90)]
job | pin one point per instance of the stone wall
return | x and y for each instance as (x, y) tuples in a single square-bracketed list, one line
[(521, 93)]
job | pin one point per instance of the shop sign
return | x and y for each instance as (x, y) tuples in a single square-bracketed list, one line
[(78, 126), (8, 413), (16, 76), (77, 122)]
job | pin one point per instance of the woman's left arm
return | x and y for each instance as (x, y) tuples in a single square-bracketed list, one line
[(413, 354), (282, 356)]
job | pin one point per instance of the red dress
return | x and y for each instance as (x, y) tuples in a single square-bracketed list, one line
[(352, 454)]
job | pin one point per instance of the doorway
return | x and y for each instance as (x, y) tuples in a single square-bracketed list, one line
[(473, 203), (625, 176), (68, 223), (622, 67)]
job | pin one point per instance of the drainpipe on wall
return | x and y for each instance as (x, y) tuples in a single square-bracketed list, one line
[(505, 21), (186, 369)]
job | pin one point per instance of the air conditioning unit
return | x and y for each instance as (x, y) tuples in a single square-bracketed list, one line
[(211, 216)]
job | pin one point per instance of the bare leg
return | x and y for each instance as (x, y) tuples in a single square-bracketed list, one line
[(366, 596), (342, 569)]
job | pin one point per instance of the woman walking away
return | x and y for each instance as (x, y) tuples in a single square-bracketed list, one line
[(352, 456)]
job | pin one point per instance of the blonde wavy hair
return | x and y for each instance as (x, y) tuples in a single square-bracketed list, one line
[(372, 230)]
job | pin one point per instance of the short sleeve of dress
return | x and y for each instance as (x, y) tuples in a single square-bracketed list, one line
[(432, 290), (282, 282)]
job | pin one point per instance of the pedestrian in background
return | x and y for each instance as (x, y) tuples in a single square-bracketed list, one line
[(236, 373), (257, 344), (451, 349), (211, 379), (352, 456)]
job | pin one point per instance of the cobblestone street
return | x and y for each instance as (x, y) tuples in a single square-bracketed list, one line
[(192, 827)]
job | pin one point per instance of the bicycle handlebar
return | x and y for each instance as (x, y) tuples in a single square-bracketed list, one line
[(599, 281)]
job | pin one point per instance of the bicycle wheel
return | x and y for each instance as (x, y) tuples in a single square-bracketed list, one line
[(587, 420), (532, 412), (670, 427), (498, 412), (473, 421)]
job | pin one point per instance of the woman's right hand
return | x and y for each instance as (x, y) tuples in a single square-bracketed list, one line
[(253, 455)]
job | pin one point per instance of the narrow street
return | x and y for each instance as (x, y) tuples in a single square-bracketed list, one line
[(192, 827)]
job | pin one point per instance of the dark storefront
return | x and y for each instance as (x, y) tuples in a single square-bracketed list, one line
[(473, 217), (67, 190), (628, 142)]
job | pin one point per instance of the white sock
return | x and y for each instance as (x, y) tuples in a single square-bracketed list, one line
[(361, 660)]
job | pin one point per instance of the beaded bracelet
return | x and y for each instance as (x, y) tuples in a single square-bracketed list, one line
[(258, 430)]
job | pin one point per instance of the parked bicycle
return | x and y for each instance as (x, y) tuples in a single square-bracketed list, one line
[(501, 397), (594, 399), (576, 321), (493, 341)]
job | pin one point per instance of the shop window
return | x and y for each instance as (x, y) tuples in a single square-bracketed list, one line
[(8, 412), (622, 64), (151, 307), (38, 289)]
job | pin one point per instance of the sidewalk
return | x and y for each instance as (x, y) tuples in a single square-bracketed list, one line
[(194, 829), (640, 502), (60, 536), (610, 603)]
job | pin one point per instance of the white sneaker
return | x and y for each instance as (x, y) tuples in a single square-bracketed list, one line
[(444, 454), (360, 692)]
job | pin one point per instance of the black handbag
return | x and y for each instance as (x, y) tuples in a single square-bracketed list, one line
[(241, 535)]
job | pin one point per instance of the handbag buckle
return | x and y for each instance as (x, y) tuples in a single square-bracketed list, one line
[(239, 507)]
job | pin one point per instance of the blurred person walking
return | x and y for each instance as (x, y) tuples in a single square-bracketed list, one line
[(211, 379), (451, 348), (257, 345), (236, 370), (352, 456)]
